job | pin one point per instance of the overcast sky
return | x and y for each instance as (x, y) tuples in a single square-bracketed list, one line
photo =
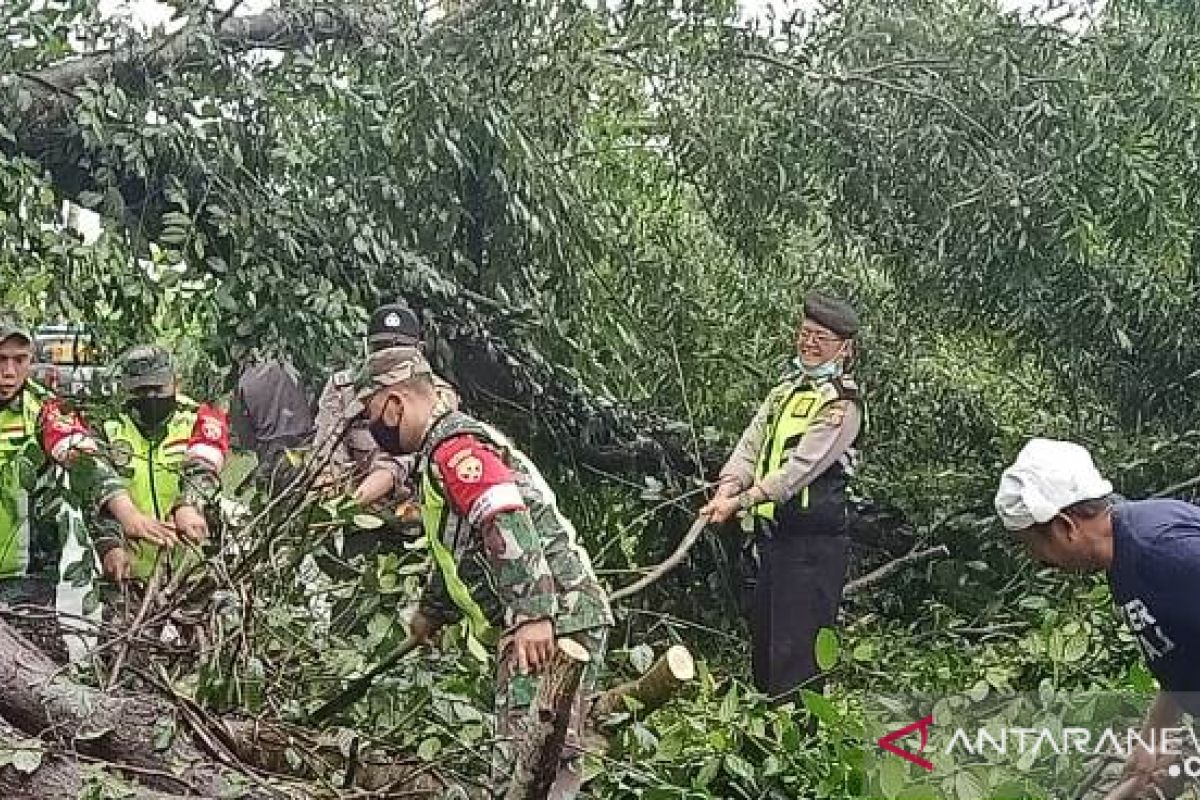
[(151, 14)]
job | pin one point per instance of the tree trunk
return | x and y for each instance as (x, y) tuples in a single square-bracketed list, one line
[(39, 105), (323, 753), (137, 732), (56, 778), (660, 683), (539, 755)]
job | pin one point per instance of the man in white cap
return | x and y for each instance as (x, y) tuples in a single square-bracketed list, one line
[(1060, 508)]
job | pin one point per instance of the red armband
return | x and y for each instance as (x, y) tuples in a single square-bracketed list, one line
[(63, 432), (477, 482), (209, 442)]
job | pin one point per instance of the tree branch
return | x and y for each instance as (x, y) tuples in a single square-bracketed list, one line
[(875, 576)]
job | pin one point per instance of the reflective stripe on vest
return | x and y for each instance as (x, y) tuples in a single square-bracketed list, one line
[(794, 415), (155, 466), (433, 517), (17, 432)]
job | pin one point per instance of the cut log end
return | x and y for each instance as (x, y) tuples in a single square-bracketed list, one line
[(680, 662), (574, 650), (665, 677)]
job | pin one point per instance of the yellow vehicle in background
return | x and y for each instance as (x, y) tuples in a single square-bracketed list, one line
[(66, 361)]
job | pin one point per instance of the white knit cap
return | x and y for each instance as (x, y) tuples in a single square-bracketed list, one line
[(1047, 476)]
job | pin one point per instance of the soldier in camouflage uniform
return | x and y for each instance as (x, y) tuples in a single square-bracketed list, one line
[(346, 446), (41, 444), (489, 515), (168, 451)]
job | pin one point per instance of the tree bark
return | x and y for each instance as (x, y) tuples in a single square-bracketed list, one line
[(137, 732), (323, 753), (661, 682), (39, 105), (55, 778)]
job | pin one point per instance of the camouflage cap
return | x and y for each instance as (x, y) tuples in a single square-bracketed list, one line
[(385, 368), (837, 315), (11, 325), (147, 365)]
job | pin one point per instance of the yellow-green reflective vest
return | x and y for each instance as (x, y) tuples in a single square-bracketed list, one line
[(796, 406), (433, 518), (151, 470), (18, 435)]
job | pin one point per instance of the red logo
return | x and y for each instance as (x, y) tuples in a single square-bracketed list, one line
[(923, 726)]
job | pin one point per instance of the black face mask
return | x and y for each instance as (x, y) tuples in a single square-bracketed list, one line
[(151, 412), (387, 437)]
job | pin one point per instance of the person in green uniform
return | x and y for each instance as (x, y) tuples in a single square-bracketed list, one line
[(493, 526), (41, 442), (169, 451)]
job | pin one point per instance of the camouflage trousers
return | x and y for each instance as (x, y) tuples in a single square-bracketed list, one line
[(514, 696)]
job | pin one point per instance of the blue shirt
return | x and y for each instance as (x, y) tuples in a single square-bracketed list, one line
[(1155, 581)]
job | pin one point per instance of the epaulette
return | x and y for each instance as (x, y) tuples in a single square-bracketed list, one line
[(847, 388)]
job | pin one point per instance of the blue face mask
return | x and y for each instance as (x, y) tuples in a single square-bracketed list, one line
[(826, 371)]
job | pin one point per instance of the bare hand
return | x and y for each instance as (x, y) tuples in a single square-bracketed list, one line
[(141, 526), (720, 509), (117, 566), (423, 629), (191, 524), (534, 646), (1146, 768)]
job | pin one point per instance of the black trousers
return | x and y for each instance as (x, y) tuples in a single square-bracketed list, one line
[(800, 580)]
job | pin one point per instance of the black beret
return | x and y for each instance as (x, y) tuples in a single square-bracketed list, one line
[(835, 314)]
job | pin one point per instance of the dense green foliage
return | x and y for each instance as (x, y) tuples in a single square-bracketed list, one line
[(637, 197)]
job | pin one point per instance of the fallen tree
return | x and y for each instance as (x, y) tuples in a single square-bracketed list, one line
[(485, 346), (57, 735), (153, 740), (139, 734)]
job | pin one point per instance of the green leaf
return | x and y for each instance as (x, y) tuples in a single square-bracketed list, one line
[(429, 748), (164, 733), (476, 648), (864, 652), (892, 775), (968, 787), (827, 648), (820, 707), (729, 706), (739, 767), (641, 657)]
